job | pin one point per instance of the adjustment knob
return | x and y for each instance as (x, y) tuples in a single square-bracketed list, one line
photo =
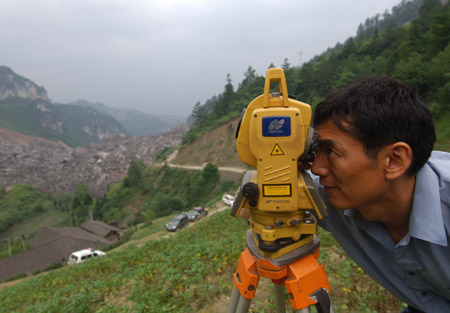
[(251, 192)]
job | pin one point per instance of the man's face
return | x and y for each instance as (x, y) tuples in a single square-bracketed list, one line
[(351, 179)]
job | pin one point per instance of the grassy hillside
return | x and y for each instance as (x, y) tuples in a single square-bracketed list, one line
[(188, 272), (23, 211), (21, 202), (148, 193)]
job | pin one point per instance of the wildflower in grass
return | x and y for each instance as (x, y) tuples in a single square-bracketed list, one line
[(360, 270), (347, 290)]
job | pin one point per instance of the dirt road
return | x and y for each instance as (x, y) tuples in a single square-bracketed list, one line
[(199, 167)]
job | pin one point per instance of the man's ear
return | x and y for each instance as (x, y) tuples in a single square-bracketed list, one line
[(398, 159)]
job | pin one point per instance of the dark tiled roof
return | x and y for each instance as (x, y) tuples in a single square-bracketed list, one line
[(49, 234), (100, 228)]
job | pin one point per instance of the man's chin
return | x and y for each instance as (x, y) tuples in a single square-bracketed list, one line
[(333, 199), (338, 204)]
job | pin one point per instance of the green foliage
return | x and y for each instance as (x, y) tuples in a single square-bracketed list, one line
[(210, 174), (160, 191), (134, 177), (62, 202), (23, 210), (15, 244), (21, 202), (162, 156), (223, 104), (416, 53), (443, 136), (163, 205), (81, 204)]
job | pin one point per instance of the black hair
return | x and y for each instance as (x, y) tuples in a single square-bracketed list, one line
[(380, 111)]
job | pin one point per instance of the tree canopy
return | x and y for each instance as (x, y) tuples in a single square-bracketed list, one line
[(410, 44)]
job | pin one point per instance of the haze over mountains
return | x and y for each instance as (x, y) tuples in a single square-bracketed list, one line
[(26, 108), (135, 122)]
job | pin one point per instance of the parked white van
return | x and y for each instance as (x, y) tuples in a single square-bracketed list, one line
[(228, 199), (83, 255)]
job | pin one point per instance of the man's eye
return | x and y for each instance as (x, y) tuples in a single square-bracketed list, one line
[(330, 151)]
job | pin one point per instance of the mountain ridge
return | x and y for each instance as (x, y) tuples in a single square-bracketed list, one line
[(134, 121)]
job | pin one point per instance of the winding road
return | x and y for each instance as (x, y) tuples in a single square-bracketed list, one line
[(199, 167)]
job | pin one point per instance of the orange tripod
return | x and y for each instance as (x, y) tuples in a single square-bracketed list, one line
[(305, 280)]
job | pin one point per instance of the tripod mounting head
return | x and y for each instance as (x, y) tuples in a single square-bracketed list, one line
[(272, 136)]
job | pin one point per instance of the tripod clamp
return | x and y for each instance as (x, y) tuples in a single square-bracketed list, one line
[(305, 280)]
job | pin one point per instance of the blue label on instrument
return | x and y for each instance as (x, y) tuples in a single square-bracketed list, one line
[(276, 126)]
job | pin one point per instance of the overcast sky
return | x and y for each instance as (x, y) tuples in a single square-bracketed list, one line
[(162, 56)]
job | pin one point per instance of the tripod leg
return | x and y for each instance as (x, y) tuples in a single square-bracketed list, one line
[(235, 295), (245, 282), (278, 290), (243, 305)]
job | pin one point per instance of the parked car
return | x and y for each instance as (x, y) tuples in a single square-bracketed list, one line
[(177, 222), (193, 216), (196, 213), (228, 199), (83, 255), (201, 211)]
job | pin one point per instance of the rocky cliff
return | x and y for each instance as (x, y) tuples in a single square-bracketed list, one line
[(13, 85), (54, 167)]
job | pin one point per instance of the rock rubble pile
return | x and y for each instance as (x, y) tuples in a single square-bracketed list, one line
[(55, 168)]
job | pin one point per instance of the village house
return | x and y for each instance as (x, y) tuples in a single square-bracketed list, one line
[(106, 231)]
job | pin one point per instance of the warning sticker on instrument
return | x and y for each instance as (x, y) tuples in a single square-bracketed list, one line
[(277, 150), (279, 190)]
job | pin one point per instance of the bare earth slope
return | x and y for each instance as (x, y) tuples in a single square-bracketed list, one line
[(217, 147)]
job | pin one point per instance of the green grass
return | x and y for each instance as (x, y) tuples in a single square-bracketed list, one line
[(156, 226), (183, 273), (21, 203), (54, 218)]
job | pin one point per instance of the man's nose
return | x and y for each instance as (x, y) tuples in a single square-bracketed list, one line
[(319, 165)]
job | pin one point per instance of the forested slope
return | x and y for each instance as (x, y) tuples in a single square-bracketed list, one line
[(415, 51)]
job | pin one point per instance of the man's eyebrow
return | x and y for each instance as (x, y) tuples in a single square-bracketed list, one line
[(327, 142)]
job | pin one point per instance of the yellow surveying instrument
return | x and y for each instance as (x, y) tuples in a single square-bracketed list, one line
[(272, 136)]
